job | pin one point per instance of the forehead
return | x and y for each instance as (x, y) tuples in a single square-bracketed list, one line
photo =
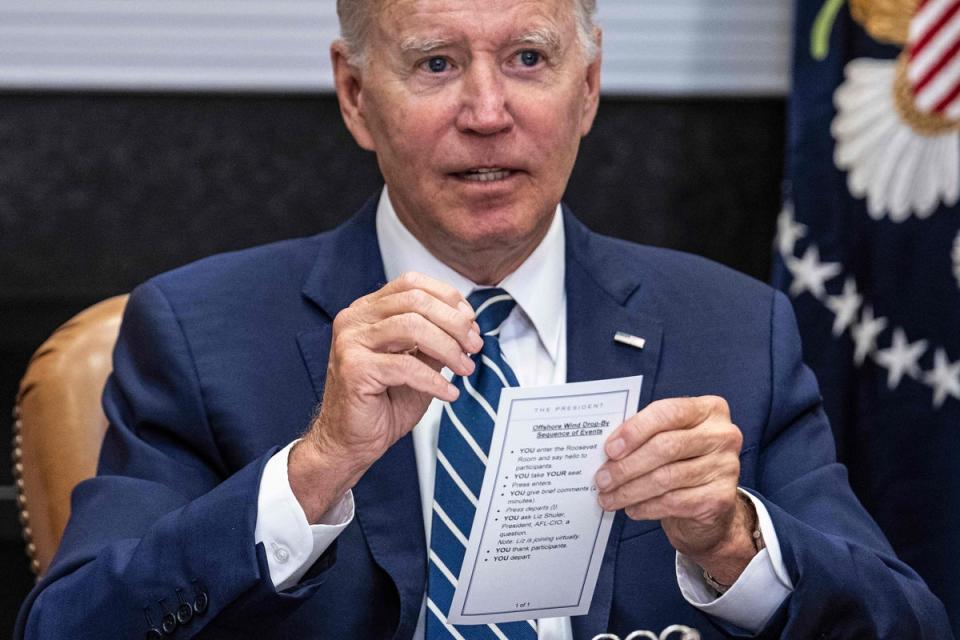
[(472, 19)]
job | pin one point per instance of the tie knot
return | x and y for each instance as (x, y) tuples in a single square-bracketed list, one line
[(492, 307)]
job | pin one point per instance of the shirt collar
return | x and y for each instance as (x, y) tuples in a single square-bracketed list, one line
[(536, 285)]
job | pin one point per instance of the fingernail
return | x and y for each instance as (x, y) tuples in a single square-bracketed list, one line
[(452, 390), (605, 501), (476, 328), (603, 479), (615, 447), (467, 362), (474, 338), (467, 309)]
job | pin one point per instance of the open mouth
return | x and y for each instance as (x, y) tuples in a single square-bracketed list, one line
[(492, 174)]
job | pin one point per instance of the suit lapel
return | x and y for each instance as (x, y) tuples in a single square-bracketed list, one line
[(601, 300), (349, 266)]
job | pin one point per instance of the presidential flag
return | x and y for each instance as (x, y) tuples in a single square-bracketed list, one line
[(868, 249)]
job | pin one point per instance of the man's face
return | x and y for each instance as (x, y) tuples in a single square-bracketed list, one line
[(475, 109)]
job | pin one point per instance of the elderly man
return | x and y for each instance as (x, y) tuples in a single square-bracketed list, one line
[(211, 518)]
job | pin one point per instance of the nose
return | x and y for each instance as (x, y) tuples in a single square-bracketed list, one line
[(484, 109)]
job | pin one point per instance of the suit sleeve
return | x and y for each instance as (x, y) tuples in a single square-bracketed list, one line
[(164, 534), (848, 583)]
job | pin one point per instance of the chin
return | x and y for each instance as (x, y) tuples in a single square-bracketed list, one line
[(494, 233)]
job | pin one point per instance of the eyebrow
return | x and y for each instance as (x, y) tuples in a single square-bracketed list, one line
[(424, 45), (544, 37)]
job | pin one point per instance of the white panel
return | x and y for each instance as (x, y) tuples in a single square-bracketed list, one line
[(650, 46), (696, 46)]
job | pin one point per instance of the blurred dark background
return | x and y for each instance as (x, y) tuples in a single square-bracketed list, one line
[(100, 191)]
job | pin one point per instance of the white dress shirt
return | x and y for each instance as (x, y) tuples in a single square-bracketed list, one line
[(533, 341)]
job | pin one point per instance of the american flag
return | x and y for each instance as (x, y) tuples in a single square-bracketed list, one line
[(877, 295), (933, 67)]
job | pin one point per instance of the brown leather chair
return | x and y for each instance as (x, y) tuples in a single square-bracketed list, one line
[(59, 423)]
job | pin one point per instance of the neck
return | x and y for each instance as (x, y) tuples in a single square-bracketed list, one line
[(488, 268), (487, 262)]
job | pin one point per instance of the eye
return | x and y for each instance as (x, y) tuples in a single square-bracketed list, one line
[(437, 64), (530, 58)]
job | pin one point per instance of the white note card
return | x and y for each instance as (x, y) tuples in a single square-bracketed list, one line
[(539, 534)]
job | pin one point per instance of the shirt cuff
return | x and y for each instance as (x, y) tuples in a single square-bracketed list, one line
[(293, 544), (756, 595)]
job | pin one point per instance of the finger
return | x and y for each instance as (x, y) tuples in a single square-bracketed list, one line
[(436, 365), (685, 474), (401, 369), (667, 447), (412, 331), (662, 415), (699, 504), (458, 323), (414, 280)]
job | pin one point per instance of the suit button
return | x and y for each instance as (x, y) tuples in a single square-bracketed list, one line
[(201, 603), (184, 613), (153, 634), (168, 623)]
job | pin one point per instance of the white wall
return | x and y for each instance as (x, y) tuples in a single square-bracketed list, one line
[(659, 47)]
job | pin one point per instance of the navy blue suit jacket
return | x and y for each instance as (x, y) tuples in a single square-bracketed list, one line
[(221, 362)]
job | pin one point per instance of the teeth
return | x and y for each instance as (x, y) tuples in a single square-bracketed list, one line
[(486, 175)]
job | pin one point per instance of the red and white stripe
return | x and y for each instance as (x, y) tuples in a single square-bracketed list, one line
[(933, 66)]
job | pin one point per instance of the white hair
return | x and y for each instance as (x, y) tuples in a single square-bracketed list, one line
[(355, 17)]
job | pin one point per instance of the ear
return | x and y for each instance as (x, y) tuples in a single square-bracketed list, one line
[(592, 86), (348, 80)]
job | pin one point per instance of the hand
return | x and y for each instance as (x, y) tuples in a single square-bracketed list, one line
[(678, 461), (386, 354)]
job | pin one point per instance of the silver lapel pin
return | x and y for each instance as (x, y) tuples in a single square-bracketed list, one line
[(630, 340)]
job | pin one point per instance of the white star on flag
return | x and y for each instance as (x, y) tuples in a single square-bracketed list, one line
[(865, 334), (810, 274), (845, 306), (901, 357), (788, 231), (944, 378)]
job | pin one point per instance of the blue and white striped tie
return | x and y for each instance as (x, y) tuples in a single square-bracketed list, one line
[(466, 428)]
